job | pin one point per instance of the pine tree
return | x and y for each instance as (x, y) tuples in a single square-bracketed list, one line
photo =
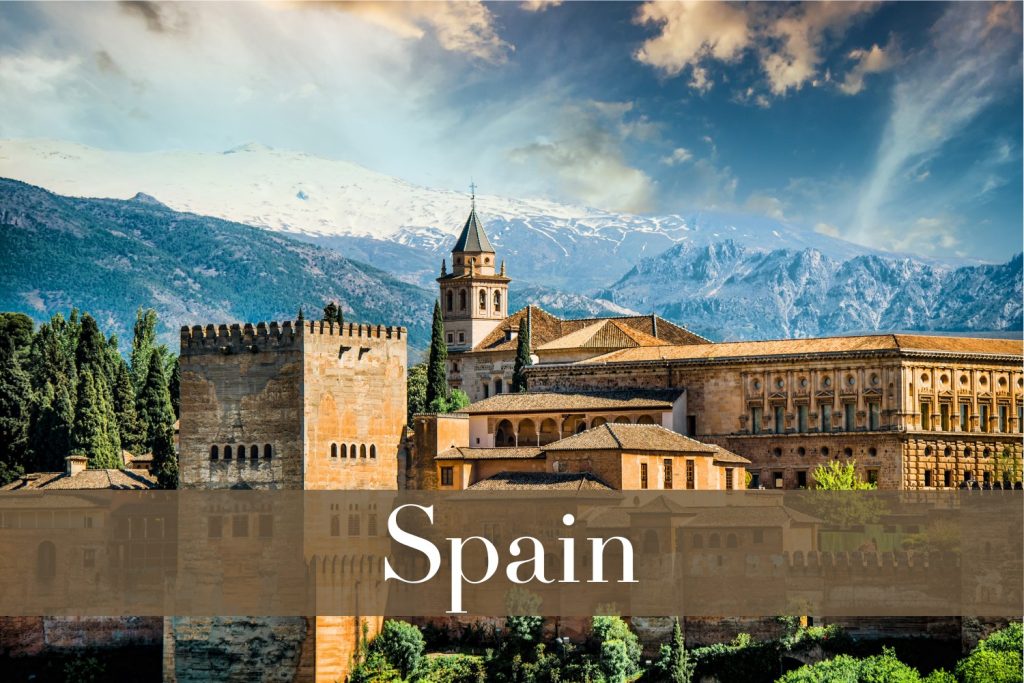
[(15, 394), (680, 668), (93, 433), (165, 460), (437, 364), (522, 356), (154, 403), (143, 345), (129, 427), (174, 386)]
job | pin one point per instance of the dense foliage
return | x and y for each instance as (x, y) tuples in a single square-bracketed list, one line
[(65, 389), (523, 359)]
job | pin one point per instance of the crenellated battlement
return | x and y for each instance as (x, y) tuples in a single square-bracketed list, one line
[(272, 336)]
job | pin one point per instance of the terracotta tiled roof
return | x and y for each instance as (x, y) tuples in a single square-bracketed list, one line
[(464, 453), (728, 457), (780, 347), (86, 479), (546, 328), (547, 481), (542, 402), (632, 438), (604, 334)]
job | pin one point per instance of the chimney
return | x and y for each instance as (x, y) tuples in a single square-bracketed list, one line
[(75, 464)]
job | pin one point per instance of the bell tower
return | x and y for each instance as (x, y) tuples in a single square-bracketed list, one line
[(474, 298)]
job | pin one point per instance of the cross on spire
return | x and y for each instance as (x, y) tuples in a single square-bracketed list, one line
[(472, 192)]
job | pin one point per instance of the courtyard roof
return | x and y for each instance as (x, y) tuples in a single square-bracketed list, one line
[(553, 402)]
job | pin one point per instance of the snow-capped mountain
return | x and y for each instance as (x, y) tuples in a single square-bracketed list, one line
[(729, 291), (370, 216)]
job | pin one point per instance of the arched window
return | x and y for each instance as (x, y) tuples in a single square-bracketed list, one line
[(504, 435), (622, 420), (497, 302), (214, 453), (267, 452), (334, 450), (549, 432), (527, 433), (645, 420), (373, 451), (227, 452), (462, 299), (448, 299), (254, 452), (46, 561), (597, 422), (362, 451), (353, 452), (483, 300)]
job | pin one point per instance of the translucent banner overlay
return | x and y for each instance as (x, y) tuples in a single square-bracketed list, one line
[(295, 553)]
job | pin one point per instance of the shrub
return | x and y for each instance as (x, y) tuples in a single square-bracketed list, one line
[(883, 668), (615, 661), (997, 659), (604, 629), (453, 669), (400, 644), (374, 669)]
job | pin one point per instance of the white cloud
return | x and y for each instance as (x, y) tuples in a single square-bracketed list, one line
[(872, 61), (789, 42), (679, 155), (936, 97), (827, 229), (539, 5), (766, 205)]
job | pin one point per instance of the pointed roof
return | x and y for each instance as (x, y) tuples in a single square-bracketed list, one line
[(604, 334), (473, 237)]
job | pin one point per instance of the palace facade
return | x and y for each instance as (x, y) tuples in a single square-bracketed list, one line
[(912, 411)]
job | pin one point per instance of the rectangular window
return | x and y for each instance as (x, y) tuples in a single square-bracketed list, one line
[(801, 418), (353, 525), (947, 478), (335, 525), (944, 417), (487, 389), (462, 337), (801, 479), (266, 526), (371, 525), (451, 338), (780, 419), (873, 477), (779, 480), (758, 535), (755, 420), (240, 526), (927, 477), (215, 527), (690, 475), (983, 410), (964, 417), (447, 476), (728, 479), (1003, 416), (986, 477), (668, 473), (874, 415), (643, 475), (926, 416), (826, 417), (755, 480), (850, 416)]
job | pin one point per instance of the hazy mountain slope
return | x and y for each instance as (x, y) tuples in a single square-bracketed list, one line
[(728, 291), (111, 256)]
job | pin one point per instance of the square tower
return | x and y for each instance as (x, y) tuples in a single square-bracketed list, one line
[(307, 406), (474, 298)]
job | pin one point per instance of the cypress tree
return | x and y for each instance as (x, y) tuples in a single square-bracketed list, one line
[(129, 427), (53, 415), (165, 460), (154, 403), (522, 356), (174, 387), (437, 364), (334, 314), (143, 345), (94, 435), (15, 393), (680, 668)]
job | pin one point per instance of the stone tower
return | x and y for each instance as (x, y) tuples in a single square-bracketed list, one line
[(309, 406), (474, 298)]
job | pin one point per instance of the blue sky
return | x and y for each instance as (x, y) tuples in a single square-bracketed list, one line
[(893, 125)]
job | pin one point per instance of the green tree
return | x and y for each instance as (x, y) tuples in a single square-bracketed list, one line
[(437, 363), (53, 414), (883, 668), (129, 428), (19, 328), (401, 644), (838, 476), (143, 345), (165, 460), (174, 386), (613, 628), (416, 391), (680, 668), (154, 403), (615, 661), (996, 659), (94, 434), (523, 360), (15, 395), (334, 314)]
